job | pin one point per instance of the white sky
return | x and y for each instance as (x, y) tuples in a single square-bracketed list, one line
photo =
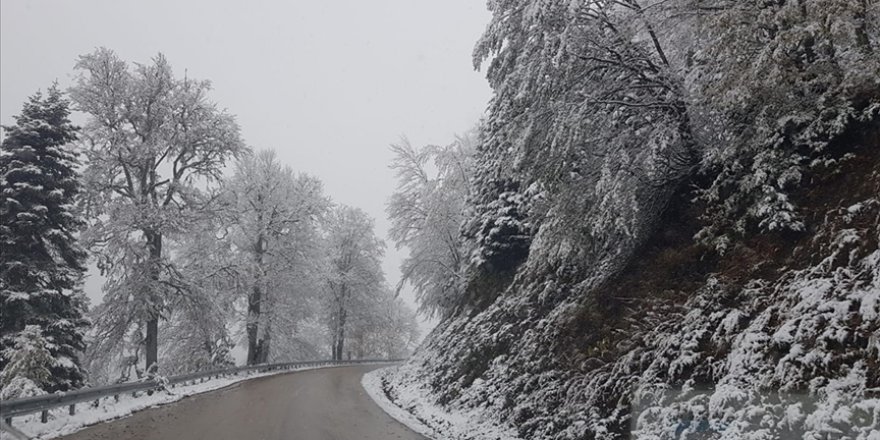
[(327, 84)]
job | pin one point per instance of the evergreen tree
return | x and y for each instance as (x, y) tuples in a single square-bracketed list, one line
[(41, 262)]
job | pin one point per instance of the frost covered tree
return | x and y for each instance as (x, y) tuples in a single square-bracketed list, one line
[(199, 331), (383, 327), (27, 372), (774, 85), (41, 260), (426, 213), (615, 106), (586, 109), (274, 218), (354, 274), (152, 142)]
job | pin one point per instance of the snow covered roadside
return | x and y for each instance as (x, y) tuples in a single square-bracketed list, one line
[(60, 423), (411, 405)]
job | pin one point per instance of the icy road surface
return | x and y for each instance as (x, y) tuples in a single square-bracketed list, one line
[(323, 404)]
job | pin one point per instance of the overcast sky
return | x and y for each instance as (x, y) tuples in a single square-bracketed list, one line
[(327, 84)]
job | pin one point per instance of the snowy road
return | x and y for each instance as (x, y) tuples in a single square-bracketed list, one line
[(323, 404)]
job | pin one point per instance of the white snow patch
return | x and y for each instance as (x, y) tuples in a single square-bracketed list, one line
[(411, 406)]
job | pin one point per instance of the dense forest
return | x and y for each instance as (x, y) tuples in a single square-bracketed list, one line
[(666, 226)]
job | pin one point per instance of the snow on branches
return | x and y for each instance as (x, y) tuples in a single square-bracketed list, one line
[(426, 213), (152, 142), (41, 260)]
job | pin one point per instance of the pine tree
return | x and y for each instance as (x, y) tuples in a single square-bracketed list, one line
[(41, 262)]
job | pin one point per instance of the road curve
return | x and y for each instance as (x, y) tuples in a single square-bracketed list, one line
[(324, 404)]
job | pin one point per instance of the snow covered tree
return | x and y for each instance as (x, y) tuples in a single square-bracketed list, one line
[(354, 275), (625, 101), (500, 230), (274, 227), (199, 329), (613, 107), (153, 142), (383, 327), (426, 213), (774, 85), (27, 371), (41, 261), (585, 140)]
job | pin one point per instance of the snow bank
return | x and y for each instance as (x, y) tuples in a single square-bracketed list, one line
[(411, 405)]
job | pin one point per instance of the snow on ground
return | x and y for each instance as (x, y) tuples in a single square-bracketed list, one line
[(791, 353), (61, 423), (411, 405)]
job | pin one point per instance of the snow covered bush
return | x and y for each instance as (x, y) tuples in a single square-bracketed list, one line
[(773, 85), (20, 387), (29, 360), (500, 230)]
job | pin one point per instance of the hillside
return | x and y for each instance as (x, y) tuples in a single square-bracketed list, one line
[(673, 227)]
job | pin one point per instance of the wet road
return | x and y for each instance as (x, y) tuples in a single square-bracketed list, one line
[(324, 404)]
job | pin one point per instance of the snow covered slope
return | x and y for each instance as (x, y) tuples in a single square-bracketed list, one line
[(675, 219), (776, 339)]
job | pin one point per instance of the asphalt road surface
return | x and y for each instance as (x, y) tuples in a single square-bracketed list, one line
[(324, 404)]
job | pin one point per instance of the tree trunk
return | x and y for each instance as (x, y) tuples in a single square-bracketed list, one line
[(151, 342), (253, 356), (359, 352), (340, 334), (253, 352), (265, 343), (334, 325), (152, 346), (255, 346)]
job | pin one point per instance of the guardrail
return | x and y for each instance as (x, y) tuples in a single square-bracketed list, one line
[(42, 404)]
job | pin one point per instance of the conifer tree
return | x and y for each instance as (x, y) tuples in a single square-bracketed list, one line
[(41, 262)]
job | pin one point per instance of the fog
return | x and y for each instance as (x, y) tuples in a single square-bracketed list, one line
[(328, 85)]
